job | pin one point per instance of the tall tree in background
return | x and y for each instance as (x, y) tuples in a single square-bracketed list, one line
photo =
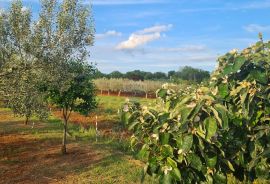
[(116, 75), (192, 74)]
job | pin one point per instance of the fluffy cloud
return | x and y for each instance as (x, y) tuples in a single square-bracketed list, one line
[(255, 28), (110, 33), (142, 37), (136, 40)]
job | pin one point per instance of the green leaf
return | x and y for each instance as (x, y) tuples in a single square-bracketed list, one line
[(162, 93), (262, 170), (167, 151), (185, 112), (171, 162), (185, 142), (163, 117), (125, 117), (196, 110), (195, 161), (254, 161), (164, 137), (166, 179), (224, 117), (176, 174), (229, 164), (223, 90), (133, 125), (211, 160), (257, 75), (143, 153), (133, 142), (153, 165), (144, 172), (216, 116), (220, 178), (211, 127), (201, 133), (233, 68)]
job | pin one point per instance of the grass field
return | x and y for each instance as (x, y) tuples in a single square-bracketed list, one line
[(31, 153)]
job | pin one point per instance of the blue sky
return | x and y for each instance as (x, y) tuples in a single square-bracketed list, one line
[(163, 35)]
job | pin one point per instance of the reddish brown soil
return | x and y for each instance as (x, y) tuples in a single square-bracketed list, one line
[(87, 121), (25, 159), (106, 127)]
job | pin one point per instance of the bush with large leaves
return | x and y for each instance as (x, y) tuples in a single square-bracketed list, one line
[(203, 135), (242, 80)]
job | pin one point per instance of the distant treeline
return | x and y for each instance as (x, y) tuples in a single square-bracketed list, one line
[(186, 73)]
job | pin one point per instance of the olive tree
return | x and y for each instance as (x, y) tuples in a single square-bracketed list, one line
[(62, 36), (19, 68), (78, 97)]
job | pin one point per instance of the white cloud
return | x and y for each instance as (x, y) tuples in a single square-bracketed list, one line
[(136, 40), (142, 37), (255, 28), (154, 29), (110, 33)]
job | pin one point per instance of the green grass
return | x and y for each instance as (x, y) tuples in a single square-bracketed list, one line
[(115, 162), (112, 103), (110, 160)]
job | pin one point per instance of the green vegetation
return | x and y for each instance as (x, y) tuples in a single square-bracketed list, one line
[(106, 161), (114, 103), (190, 74), (44, 62), (78, 97), (20, 73), (200, 129), (212, 131), (186, 73)]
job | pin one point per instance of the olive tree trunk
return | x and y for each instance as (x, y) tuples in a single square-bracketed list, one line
[(64, 141), (66, 115), (26, 120)]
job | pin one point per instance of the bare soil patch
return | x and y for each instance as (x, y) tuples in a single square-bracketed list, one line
[(24, 159)]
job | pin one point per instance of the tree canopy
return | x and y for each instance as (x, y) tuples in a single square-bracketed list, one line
[(44, 60)]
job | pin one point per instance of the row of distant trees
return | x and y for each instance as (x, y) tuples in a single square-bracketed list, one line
[(186, 73)]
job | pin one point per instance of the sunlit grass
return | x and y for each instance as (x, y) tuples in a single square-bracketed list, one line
[(116, 163)]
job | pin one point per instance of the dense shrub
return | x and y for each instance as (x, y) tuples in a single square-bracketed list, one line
[(201, 135)]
